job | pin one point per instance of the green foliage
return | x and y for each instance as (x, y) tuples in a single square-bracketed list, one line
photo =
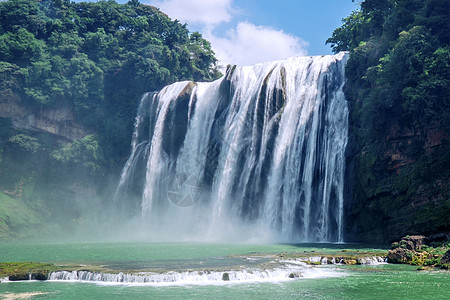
[(85, 151), (24, 142), (24, 268), (344, 38), (20, 47), (20, 14), (11, 80), (430, 96), (399, 60)]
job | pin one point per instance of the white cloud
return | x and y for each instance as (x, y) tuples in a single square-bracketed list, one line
[(204, 12), (249, 44), (245, 44)]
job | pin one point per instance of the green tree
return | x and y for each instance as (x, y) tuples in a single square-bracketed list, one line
[(86, 84), (202, 57), (11, 80), (99, 45), (20, 47), (348, 36), (86, 152), (21, 14), (65, 44), (430, 97), (25, 143)]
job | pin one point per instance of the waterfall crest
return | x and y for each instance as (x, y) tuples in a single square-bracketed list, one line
[(259, 152)]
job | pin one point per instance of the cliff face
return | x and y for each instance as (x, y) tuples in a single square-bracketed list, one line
[(404, 188), (405, 143), (56, 121)]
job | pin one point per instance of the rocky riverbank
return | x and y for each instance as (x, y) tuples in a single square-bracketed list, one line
[(433, 251)]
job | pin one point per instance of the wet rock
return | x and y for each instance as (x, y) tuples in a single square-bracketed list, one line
[(399, 255), (19, 277), (294, 275), (331, 261), (39, 276), (226, 277)]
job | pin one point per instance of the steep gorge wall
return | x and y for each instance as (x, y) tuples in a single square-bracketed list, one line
[(402, 189)]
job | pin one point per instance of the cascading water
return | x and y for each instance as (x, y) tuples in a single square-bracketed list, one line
[(260, 151)]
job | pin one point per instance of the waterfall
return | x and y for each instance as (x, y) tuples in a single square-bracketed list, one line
[(260, 151)]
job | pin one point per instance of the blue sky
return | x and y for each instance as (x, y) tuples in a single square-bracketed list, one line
[(246, 32)]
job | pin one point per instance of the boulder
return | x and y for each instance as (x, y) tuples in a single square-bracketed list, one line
[(398, 255), (413, 242), (39, 275), (226, 277), (295, 275)]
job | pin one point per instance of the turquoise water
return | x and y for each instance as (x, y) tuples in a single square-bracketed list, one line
[(383, 281)]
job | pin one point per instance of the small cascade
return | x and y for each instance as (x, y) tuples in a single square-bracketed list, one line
[(259, 152), (285, 271)]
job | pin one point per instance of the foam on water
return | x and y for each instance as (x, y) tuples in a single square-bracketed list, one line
[(285, 271)]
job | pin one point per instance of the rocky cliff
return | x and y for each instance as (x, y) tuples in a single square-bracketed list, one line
[(403, 187), (59, 122)]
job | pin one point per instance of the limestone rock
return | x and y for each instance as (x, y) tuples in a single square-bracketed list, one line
[(398, 255), (413, 242)]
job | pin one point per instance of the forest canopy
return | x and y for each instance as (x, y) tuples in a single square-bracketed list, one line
[(400, 61)]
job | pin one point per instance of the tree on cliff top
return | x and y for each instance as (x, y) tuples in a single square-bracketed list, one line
[(396, 46)]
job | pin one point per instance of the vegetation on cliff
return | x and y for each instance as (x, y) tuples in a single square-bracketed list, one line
[(95, 60), (398, 86), (422, 251)]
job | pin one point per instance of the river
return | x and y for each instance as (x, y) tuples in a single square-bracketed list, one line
[(195, 271)]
